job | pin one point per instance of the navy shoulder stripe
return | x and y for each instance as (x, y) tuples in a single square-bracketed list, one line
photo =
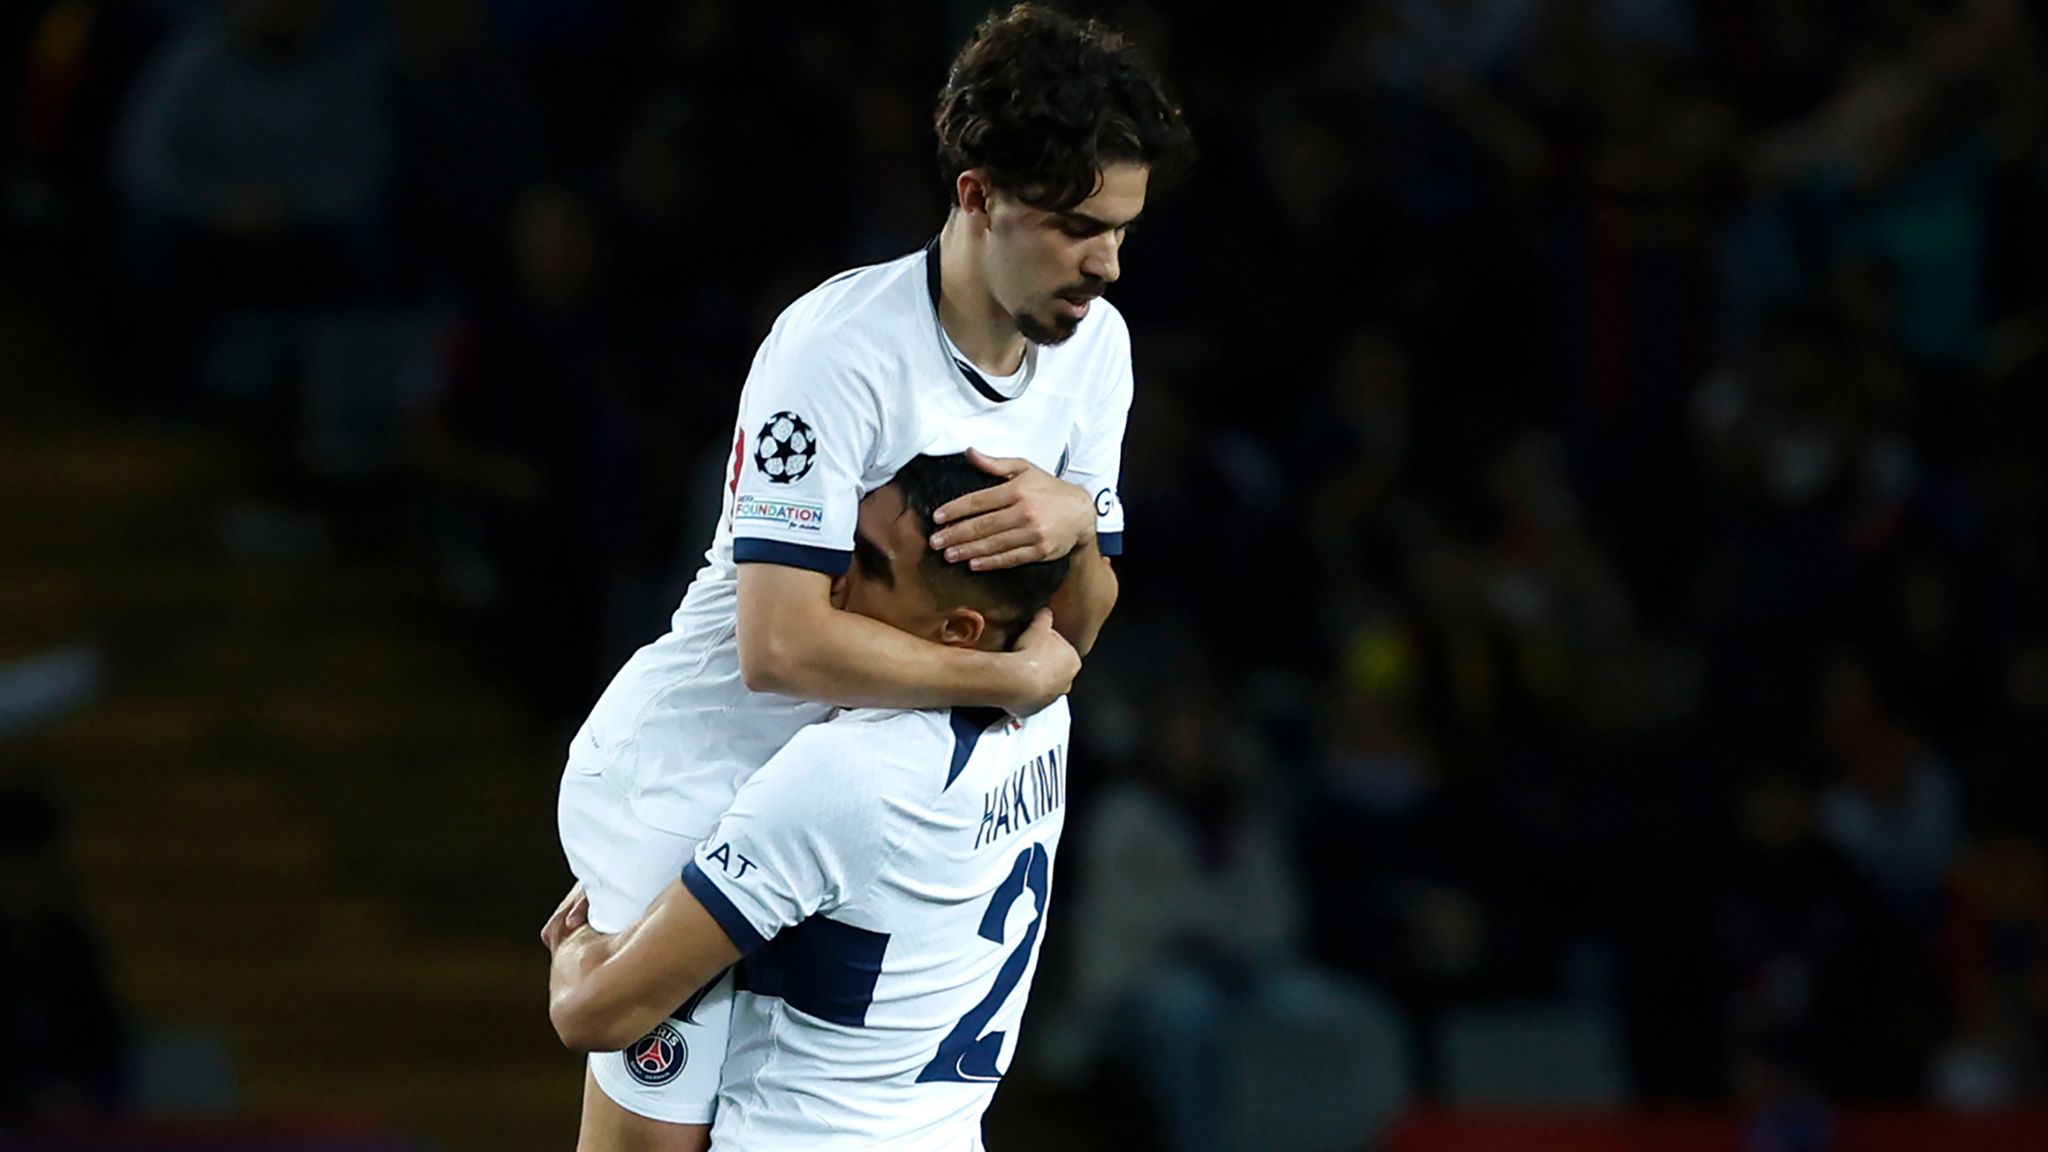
[(722, 909), (830, 561)]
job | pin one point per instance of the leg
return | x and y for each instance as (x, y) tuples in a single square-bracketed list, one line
[(664, 1083), (610, 1128), (658, 1095)]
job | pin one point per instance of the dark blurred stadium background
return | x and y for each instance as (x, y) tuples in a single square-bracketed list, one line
[(1582, 651)]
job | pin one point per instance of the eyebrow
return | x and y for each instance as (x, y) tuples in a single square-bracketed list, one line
[(871, 559), (1093, 224)]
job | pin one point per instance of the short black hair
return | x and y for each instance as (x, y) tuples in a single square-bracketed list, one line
[(1008, 597), (1042, 102)]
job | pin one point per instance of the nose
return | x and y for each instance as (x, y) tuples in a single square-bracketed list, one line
[(1101, 261)]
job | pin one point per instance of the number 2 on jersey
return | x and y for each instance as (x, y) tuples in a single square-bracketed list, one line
[(965, 1055)]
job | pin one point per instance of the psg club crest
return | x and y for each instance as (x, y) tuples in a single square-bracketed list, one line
[(785, 449), (658, 1057)]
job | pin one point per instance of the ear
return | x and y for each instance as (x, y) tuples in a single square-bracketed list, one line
[(971, 192), (963, 628), (838, 594)]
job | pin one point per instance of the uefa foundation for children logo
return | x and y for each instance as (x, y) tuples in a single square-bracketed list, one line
[(658, 1057), (785, 449), (788, 514)]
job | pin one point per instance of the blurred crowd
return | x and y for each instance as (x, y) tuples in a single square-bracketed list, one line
[(63, 1037), (1584, 481)]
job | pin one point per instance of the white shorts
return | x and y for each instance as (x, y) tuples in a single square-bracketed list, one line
[(671, 1074)]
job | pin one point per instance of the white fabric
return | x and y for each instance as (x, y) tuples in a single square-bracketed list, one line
[(623, 865), (861, 362), (902, 916)]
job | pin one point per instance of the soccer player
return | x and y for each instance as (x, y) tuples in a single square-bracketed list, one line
[(992, 338), (880, 882)]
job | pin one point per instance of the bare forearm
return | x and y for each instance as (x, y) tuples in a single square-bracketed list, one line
[(1083, 603), (794, 642), (584, 1006), (847, 659), (602, 997), (604, 992)]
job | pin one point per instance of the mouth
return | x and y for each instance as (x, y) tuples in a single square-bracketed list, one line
[(1075, 306)]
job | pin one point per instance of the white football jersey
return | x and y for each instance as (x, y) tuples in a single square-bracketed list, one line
[(886, 876), (854, 380)]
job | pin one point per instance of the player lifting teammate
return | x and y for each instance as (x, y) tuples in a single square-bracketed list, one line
[(995, 339)]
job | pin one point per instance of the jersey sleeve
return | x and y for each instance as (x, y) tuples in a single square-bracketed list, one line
[(1098, 450), (808, 423), (806, 833)]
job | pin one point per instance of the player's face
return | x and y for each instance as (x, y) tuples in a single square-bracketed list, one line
[(1045, 267), (886, 581)]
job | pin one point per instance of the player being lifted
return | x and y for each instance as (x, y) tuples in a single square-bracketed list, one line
[(882, 882), (992, 338)]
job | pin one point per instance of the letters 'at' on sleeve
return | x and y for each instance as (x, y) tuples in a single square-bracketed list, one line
[(805, 833)]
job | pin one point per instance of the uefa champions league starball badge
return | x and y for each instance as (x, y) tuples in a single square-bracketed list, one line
[(785, 449)]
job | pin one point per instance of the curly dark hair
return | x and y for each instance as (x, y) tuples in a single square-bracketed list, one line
[(1042, 102)]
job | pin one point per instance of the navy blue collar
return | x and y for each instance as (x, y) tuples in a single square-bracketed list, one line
[(969, 726), (967, 371)]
